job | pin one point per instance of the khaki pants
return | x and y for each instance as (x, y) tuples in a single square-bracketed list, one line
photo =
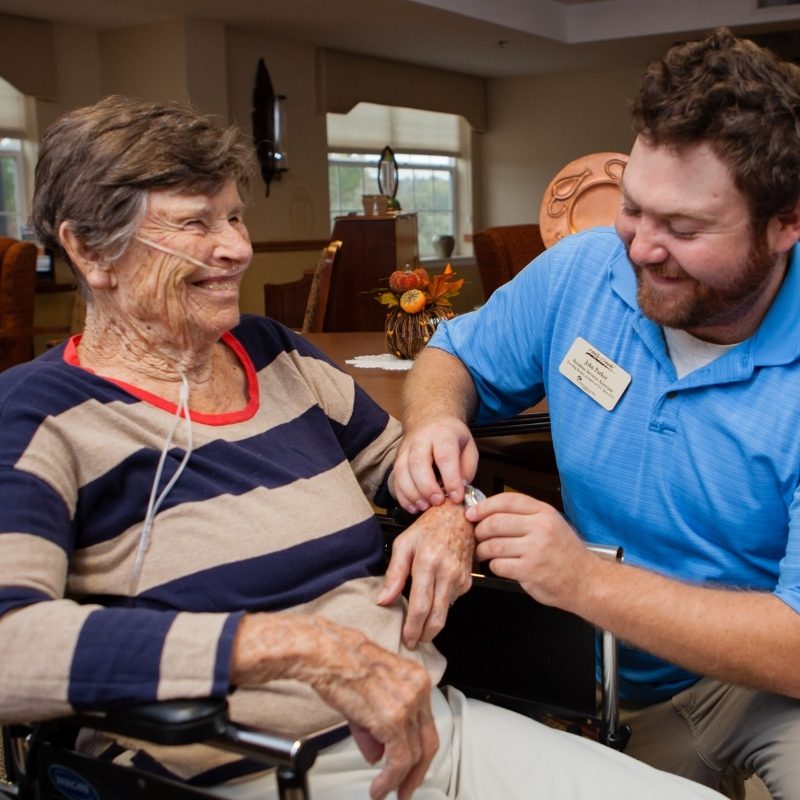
[(486, 753), (719, 735)]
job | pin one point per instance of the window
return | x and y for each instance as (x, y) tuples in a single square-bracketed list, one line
[(12, 206), (15, 155), (432, 153), (426, 185)]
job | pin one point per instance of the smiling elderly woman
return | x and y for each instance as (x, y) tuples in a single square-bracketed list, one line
[(185, 503)]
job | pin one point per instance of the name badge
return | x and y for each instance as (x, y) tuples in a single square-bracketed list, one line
[(595, 374)]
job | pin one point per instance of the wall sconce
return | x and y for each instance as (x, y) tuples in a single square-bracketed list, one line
[(269, 126)]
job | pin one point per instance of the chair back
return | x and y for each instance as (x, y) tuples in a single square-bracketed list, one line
[(17, 299), (502, 251), (317, 305), (302, 304)]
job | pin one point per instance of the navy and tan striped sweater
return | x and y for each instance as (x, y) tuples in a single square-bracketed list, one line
[(271, 513)]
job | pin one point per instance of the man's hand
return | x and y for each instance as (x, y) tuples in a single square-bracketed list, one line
[(437, 553), (444, 443), (529, 541), (385, 698), (438, 397)]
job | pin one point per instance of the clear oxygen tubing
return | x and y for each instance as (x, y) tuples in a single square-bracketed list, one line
[(182, 410), (156, 499), (208, 269)]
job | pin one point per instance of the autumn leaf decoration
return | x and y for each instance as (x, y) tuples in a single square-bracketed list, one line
[(414, 290), (443, 287)]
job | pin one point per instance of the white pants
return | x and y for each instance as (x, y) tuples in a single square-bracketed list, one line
[(485, 753)]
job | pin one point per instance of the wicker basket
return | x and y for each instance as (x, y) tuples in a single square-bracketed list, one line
[(407, 334)]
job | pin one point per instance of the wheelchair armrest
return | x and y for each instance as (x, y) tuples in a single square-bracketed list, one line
[(278, 750), (171, 722), (535, 422), (168, 722), (190, 721)]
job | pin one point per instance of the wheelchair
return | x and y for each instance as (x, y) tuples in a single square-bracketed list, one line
[(39, 762), (501, 645)]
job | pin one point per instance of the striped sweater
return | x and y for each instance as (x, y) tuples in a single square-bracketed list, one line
[(272, 513)]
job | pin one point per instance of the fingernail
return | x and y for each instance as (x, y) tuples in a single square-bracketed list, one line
[(470, 513), (454, 497), (381, 598), (422, 505), (436, 499)]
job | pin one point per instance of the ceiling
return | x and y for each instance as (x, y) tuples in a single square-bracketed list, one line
[(491, 38)]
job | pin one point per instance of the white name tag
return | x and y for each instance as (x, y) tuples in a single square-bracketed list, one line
[(592, 372)]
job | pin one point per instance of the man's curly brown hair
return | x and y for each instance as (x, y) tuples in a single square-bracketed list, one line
[(739, 98)]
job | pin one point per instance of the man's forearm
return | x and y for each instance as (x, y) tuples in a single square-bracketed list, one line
[(748, 638), (439, 385)]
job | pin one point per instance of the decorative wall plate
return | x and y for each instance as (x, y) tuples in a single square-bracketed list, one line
[(583, 194)]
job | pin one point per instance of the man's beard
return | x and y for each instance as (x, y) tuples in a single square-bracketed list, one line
[(706, 305)]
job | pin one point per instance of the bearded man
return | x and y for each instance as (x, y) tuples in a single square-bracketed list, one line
[(669, 351)]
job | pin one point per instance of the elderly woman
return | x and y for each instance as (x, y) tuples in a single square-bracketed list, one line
[(185, 503)]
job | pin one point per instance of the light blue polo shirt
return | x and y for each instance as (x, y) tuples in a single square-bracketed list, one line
[(697, 478)]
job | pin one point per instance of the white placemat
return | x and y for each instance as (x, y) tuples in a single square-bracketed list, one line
[(383, 361)]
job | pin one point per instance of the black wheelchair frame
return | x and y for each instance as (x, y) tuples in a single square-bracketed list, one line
[(502, 646)]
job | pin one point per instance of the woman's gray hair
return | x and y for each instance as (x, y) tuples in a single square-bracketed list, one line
[(97, 164)]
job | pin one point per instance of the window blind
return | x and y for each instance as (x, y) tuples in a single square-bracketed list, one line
[(12, 111), (369, 127)]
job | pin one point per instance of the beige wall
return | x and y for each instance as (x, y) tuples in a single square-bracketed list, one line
[(537, 124), (147, 61)]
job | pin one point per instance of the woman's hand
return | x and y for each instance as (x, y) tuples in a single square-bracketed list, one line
[(385, 698), (437, 553), (530, 542)]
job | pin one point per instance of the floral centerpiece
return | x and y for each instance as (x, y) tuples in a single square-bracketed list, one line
[(417, 303)]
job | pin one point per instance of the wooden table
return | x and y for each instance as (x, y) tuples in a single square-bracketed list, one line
[(382, 385)]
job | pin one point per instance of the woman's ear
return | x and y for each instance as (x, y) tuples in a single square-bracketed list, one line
[(97, 272)]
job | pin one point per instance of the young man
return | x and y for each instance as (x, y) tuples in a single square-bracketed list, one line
[(669, 352)]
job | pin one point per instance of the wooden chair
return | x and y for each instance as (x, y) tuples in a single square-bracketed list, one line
[(502, 251), (17, 298), (302, 304)]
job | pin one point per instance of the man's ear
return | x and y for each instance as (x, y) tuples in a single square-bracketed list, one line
[(783, 230), (97, 272)]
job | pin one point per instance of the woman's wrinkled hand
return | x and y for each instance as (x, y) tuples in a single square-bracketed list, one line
[(385, 697), (436, 552)]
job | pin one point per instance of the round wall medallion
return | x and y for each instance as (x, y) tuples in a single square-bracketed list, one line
[(583, 194)]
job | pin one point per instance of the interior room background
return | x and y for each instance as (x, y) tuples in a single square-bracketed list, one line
[(520, 130)]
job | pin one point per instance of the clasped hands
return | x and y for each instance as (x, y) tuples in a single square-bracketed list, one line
[(521, 538)]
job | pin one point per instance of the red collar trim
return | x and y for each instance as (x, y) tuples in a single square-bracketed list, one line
[(229, 418)]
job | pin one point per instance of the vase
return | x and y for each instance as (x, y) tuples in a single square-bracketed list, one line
[(407, 334), (443, 246)]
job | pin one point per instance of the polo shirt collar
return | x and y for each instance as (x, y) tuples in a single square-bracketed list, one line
[(777, 339)]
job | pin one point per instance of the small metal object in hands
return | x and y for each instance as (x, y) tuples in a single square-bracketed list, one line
[(472, 496)]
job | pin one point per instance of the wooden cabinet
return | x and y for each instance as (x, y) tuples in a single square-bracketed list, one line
[(372, 247)]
